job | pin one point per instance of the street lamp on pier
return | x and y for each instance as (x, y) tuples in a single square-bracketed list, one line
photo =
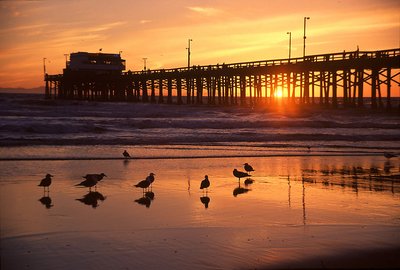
[(290, 44), (144, 63), (188, 48), (304, 37), (44, 66), (66, 59)]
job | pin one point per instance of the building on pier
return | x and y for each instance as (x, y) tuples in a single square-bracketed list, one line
[(98, 63)]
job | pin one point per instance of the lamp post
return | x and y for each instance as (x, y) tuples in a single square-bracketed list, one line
[(66, 59), (144, 63), (290, 44), (44, 66), (188, 48), (304, 37)]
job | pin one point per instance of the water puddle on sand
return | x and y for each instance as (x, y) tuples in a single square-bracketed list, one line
[(296, 208)]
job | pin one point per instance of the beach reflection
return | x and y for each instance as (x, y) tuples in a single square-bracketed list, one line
[(304, 206), (240, 190), (46, 201), (357, 178), (205, 200), (146, 199), (92, 198)]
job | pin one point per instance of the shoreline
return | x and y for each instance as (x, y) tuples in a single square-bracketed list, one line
[(381, 258)]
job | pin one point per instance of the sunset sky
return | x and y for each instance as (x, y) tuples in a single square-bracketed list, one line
[(223, 31)]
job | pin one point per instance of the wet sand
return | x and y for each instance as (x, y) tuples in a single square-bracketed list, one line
[(301, 212)]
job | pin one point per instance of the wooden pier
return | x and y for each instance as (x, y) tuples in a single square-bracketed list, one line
[(333, 80)]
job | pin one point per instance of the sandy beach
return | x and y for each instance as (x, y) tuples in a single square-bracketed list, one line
[(284, 220)]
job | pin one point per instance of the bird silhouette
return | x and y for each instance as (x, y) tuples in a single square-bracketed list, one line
[(389, 155), (94, 176), (205, 183), (205, 200), (144, 184), (126, 154), (240, 174), (89, 182), (150, 178), (248, 168), (46, 182)]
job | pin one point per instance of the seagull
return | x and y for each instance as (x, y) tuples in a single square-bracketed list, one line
[(389, 155), (151, 178), (94, 176), (126, 154), (144, 184), (89, 182), (205, 183), (248, 168), (240, 174), (46, 182)]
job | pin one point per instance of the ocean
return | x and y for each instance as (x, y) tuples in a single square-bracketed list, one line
[(32, 127)]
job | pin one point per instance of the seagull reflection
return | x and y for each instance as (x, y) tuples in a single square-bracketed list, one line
[(205, 200), (150, 195), (146, 199), (240, 190), (248, 181), (92, 198), (46, 201), (126, 162)]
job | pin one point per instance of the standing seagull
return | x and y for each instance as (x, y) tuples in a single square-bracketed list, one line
[(126, 154), (143, 184), (248, 168), (151, 178), (94, 176), (89, 182), (240, 174), (205, 183), (46, 182)]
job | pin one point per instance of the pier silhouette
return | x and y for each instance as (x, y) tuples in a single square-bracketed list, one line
[(330, 80)]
